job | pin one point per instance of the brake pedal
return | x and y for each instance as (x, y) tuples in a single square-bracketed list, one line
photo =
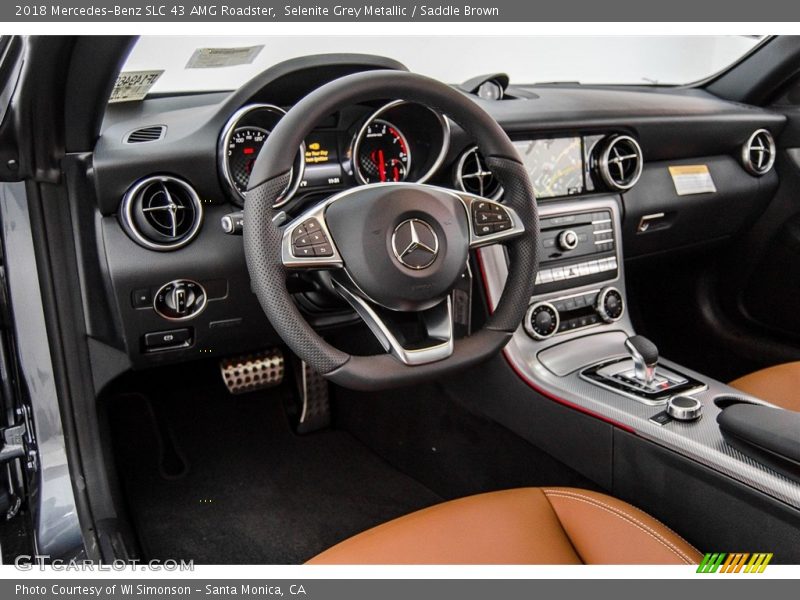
[(314, 410), (253, 372)]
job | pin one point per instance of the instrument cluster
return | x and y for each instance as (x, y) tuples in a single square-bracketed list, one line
[(399, 141)]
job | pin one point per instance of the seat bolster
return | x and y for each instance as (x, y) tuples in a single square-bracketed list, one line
[(604, 530), (508, 527), (779, 385)]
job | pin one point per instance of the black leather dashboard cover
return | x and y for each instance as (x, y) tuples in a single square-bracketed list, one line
[(767, 434)]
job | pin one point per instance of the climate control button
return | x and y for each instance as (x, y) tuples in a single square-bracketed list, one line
[(610, 304), (542, 320)]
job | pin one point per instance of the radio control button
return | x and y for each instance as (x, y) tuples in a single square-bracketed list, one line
[(568, 240)]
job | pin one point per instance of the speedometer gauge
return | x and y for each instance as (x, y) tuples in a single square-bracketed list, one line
[(382, 153), (240, 143), (243, 148)]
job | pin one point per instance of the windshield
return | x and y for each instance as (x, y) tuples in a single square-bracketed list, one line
[(192, 63)]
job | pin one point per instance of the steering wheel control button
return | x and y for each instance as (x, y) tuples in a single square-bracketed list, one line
[(684, 408), (610, 304), (298, 232), (180, 300), (415, 244), (542, 321), (308, 239), (311, 226), (489, 217), (168, 340)]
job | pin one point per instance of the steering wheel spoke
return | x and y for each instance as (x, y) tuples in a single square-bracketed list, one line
[(490, 222), (307, 243), (395, 249), (437, 323)]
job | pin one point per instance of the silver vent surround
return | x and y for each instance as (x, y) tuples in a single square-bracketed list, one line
[(615, 162), (175, 198), (480, 180), (144, 135), (759, 153)]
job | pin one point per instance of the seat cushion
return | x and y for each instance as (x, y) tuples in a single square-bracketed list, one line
[(779, 385), (521, 526)]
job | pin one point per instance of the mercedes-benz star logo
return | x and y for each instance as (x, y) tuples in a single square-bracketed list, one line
[(415, 244)]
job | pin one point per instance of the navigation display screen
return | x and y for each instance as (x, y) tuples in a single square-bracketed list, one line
[(555, 166)]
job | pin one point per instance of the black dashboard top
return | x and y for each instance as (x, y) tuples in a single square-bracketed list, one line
[(669, 123)]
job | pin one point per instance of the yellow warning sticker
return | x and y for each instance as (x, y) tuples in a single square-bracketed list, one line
[(692, 179)]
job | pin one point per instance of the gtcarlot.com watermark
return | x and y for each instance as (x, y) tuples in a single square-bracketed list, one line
[(44, 562)]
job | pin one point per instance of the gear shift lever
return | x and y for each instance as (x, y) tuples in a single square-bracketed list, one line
[(645, 358)]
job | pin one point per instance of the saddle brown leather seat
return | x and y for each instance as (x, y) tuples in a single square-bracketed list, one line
[(521, 526), (779, 385)]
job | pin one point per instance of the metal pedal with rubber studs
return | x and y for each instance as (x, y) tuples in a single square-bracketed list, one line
[(253, 372)]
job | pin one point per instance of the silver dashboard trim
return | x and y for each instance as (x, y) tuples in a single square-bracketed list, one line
[(127, 221), (748, 147), (605, 159), (459, 172)]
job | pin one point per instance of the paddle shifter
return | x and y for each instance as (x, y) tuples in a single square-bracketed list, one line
[(645, 358)]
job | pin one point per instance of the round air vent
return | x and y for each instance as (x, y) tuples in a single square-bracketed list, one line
[(758, 153), (620, 162), (473, 177), (161, 213)]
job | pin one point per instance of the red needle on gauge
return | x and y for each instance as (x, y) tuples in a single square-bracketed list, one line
[(381, 165)]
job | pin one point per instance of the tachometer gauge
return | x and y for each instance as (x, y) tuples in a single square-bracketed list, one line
[(243, 148), (382, 153)]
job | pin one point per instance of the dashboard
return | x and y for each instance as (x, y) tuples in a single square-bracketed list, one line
[(169, 172)]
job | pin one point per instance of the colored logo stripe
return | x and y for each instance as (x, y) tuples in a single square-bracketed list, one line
[(734, 563)]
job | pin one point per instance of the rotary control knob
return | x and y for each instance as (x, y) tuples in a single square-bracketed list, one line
[(542, 320), (568, 240), (610, 304), (684, 408), (180, 299)]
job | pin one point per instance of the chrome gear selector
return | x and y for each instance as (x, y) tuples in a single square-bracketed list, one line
[(645, 358)]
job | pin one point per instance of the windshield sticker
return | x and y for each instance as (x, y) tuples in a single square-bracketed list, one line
[(133, 85), (213, 58), (692, 179)]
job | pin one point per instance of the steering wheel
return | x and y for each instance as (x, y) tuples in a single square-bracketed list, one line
[(394, 251)]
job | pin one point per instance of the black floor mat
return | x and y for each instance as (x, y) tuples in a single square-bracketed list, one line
[(222, 479)]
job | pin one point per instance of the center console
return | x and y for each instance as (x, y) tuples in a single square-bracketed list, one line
[(577, 345)]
